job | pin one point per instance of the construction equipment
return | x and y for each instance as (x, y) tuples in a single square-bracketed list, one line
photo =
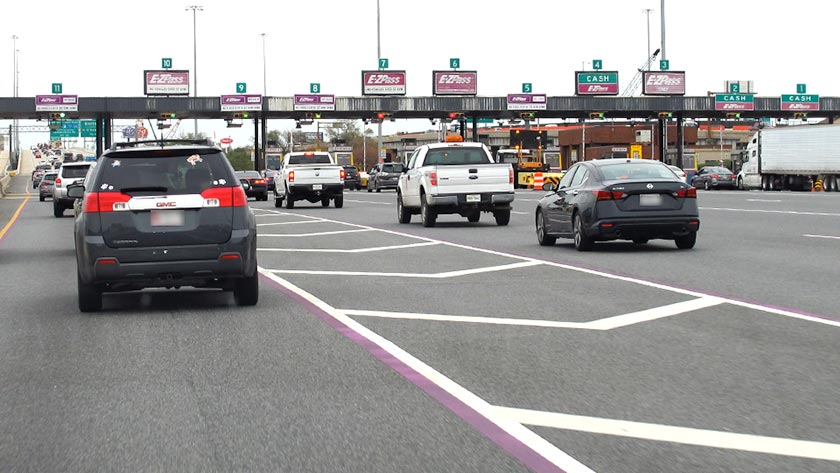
[(636, 82)]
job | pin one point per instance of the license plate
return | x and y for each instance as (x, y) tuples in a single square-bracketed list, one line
[(474, 198), (650, 200), (167, 218), (317, 187)]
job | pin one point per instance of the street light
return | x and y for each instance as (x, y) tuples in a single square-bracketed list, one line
[(378, 55), (14, 136), (195, 8), (647, 12), (265, 86)]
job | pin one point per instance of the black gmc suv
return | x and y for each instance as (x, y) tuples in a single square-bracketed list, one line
[(164, 214)]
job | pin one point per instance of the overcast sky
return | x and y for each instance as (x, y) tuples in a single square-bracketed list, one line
[(100, 48)]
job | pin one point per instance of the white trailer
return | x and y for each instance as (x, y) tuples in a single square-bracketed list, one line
[(792, 158)]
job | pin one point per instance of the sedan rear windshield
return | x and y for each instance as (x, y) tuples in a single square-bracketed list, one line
[(636, 171), (310, 159), (183, 174), (456, 156)]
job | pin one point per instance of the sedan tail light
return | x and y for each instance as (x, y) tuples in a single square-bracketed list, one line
[(343, 174), (690, 193), (259, 181), (609, 195), (715, 176)]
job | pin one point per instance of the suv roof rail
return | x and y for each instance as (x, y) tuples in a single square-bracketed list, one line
[(163, 142)]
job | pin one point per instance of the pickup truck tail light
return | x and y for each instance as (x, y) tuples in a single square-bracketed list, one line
[(291, 176), (343, 174), (510, 176), (433, 178)]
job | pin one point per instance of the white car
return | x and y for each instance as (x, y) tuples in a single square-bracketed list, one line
[(679, 172)]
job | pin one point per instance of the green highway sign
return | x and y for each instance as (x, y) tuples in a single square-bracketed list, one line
[(734, 102), (454, 62), (527, 88), (800, 102), (735, 88), (598, 78), (241, 88), (800, 88), (742, 98), (800, 98), (383, 63), (64, 133), (597, 64), (56, 88), (166, 63), (664, 64), (482, 120), (314, 88), (87, 128)]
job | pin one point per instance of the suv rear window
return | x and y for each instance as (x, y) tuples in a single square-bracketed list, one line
[(74, 171), (171, 174), (310, 159)]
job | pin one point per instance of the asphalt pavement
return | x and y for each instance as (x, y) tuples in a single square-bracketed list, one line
[(378, 346)]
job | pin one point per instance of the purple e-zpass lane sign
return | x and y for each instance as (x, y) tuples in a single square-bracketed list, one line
[(241, 103), (454, 82), (314, 102), (663, 83), (383, 82), (166, 82), (526, 102), (56, 103)]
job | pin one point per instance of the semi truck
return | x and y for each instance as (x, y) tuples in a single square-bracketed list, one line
[(792, 158)]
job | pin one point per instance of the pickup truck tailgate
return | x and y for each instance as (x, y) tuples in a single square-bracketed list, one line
[(316, 175), (474, 179)]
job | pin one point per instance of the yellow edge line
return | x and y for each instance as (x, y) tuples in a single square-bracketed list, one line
[(14, 217)]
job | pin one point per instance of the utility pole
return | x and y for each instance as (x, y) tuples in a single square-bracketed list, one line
[(265, 82), (378, 55), (648, 11), (195, 8), (662, 27)]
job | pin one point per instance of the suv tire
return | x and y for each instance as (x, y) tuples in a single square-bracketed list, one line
[(246, 291), (90, 297), (58, 209)]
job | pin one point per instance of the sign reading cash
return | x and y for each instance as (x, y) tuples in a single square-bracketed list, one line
[(166, 82), (454, 82), (663, 83), (383, 82), (596, 83)]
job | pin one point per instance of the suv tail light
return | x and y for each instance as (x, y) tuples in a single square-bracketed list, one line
[(96, 202), (224, 197), (291, 176), (58, 181)]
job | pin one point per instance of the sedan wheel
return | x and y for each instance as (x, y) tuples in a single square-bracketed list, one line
[(543, 237), (707, 186), (582, 242)]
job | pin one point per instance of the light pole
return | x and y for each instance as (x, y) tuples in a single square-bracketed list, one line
[(662, 27), (265, 82), (378, 55), (195, 8), (648, 11), (14, 136)]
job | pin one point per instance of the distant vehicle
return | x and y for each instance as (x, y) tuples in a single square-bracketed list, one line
[(256, 184), (679, 172), (454, 178), (164, 217), (618, 199), (792, 158), (46, 186), (69, 173), (713, 177), (271, 178), (352, 179), (384, 176)]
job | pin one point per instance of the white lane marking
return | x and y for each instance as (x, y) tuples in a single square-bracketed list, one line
[(357, 250), (370, 202), (667, 433), (608, 323), (641, 282), (655, 313), (519, 213), (763, 200), (287, 223), (786, 212), (528, 200), (448, 274), (301, 235), (822, 236), (544, 448)]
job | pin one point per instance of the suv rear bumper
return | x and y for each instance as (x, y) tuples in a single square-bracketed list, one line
[(118, 269)]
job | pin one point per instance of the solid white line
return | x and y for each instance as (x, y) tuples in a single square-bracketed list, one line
[(762, 200), (287, 223), (448, 274), (370, 202), (822, 236), (786, 212), (519, 213), (655, 313), (300, 235), (681, 435), (515, 429), (608, 323), (357, 250), (641, 282)]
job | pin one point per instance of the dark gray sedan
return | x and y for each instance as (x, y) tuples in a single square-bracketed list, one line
[(619, 199)]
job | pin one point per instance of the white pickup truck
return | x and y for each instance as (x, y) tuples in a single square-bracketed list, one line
[(449, 178), (312, 176)]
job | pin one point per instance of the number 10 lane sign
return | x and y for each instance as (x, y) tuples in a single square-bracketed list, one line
[(735, 102)]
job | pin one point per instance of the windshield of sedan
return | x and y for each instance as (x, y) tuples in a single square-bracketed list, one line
[(620, 171)]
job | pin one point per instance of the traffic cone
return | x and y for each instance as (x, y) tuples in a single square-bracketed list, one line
[(538, 180)]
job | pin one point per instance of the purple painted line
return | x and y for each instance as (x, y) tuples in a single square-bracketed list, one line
[(482, 424)]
